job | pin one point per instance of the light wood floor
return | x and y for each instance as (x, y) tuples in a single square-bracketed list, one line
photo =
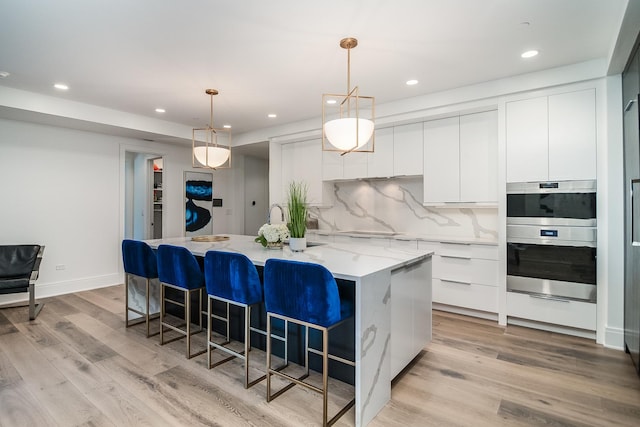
[(77, 365)]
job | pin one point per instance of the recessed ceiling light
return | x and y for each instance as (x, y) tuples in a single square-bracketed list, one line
[(412, 82), (61, 86), (331, 101), (4, 74), (272, 116), (529, 54), (227, 126), (160, 110)]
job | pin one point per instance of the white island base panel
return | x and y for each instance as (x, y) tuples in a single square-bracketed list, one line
[(138, 296), (392, 306), (393, 326)]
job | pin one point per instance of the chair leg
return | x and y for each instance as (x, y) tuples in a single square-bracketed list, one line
[(247, 342), (147, 305), (209, 326), (162, 312), (268, 357), (187, 318), (34, 309), (325, 375), (126, 300)]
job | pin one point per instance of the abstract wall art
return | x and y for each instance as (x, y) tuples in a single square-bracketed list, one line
[(198, 193)]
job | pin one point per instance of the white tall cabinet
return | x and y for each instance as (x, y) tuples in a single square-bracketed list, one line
[(552, 138), (461, 159)]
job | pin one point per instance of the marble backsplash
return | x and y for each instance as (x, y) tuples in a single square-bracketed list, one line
[(395, 205)]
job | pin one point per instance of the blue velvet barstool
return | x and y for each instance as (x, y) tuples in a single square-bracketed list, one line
[(306, 294), (140, 261), (232, 278), (178, 269)]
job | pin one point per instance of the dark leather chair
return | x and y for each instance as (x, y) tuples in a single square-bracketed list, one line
[(19, 267)]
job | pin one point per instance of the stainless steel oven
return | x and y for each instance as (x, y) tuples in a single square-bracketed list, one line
[(551, 239)]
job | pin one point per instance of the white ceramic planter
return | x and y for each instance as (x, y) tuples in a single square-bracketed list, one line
[(297, 244)]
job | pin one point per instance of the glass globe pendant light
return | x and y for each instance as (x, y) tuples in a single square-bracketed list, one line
[(211, 147), (348, 119)]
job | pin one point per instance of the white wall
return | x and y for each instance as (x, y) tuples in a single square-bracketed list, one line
[(65, 189)]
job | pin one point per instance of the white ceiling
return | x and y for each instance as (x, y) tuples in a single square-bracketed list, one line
[(279, 56)]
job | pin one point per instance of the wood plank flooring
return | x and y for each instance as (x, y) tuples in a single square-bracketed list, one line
[(77, 365)]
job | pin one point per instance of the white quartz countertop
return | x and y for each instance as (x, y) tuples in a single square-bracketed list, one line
[(406, 236), (345, 260)]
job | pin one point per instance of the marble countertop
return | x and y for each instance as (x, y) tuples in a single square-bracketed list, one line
[(406, 236), (345, 260)]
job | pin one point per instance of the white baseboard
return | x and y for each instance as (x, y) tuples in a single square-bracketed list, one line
[(614, 338), (583, 333), (46, 290), (465, 311)]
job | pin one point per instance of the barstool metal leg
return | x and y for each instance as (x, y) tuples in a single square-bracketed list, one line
[(187, 318), (268, 357)]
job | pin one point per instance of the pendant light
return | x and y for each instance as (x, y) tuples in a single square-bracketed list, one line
[(211, 147), (348, 119)]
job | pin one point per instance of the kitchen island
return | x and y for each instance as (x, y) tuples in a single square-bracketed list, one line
[(392, 304)]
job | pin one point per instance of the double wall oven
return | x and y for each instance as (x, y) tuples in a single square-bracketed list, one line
[(551, 239)]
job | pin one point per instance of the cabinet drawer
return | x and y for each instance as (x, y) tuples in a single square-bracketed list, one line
[(477, 297), (574, 314), (403, 244), (452, 268), (484, 252), (462, 250), (477, 271)]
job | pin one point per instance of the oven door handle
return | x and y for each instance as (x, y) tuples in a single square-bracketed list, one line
[(550, 297)]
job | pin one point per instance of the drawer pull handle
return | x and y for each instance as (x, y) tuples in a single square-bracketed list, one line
[(455, 256), (550, 297), (456, 281)]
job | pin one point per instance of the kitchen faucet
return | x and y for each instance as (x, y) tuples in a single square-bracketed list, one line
[(275, 205)]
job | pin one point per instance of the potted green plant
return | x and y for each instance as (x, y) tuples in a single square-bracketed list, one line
[(297, 210)]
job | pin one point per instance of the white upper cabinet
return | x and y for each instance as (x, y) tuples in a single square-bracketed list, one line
[(442, 160), (527, 140), (332, 165), (479, 157), (461, 158), (552, 138), (355, 165), (407, 149), (302, 161), (380, 162), (572, 136)]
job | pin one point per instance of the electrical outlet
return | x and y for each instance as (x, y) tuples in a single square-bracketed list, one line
[(60, 267)]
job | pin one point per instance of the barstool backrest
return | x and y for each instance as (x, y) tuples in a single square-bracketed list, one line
[(178, 266), (301, 290), (139, 259), (232, 276)]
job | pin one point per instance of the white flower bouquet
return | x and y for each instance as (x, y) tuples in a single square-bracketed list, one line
[(270, 234)]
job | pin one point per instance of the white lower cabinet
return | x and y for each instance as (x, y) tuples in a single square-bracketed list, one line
[(465, 275), (465, 294), (573, 314)]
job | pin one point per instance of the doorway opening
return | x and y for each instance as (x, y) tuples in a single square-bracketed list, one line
[(144, 201)]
